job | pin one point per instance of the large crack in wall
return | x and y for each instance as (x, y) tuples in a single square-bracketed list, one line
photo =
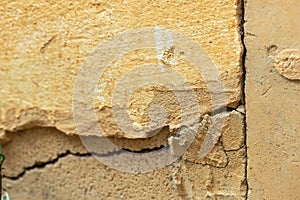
[(51, 163), (41, 165), (19, 172), (243, 65)]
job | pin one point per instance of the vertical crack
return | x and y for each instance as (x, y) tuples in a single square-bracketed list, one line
[(241, 13)]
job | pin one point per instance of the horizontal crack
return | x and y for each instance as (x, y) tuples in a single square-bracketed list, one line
[(124, 151), (32, 124), (41, 165), (146, 150), (232, 150)]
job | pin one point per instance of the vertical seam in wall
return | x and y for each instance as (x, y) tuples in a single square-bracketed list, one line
[(242, 4), (244, 91)]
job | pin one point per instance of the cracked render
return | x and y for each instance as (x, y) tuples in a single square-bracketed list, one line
[(45, 157)]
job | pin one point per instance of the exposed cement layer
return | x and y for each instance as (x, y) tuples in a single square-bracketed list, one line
[(89, 179), (272, 101), (53, 164)]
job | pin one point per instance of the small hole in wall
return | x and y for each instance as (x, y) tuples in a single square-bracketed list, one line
[(271, 50)]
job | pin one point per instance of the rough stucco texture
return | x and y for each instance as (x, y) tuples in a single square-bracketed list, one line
[(44, 44), (56, 166)]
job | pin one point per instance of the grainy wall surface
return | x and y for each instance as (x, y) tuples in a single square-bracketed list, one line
[(45, 43), (272, 99), (44, 47)]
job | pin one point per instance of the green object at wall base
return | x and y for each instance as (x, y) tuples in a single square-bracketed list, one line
[(4, 195)]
